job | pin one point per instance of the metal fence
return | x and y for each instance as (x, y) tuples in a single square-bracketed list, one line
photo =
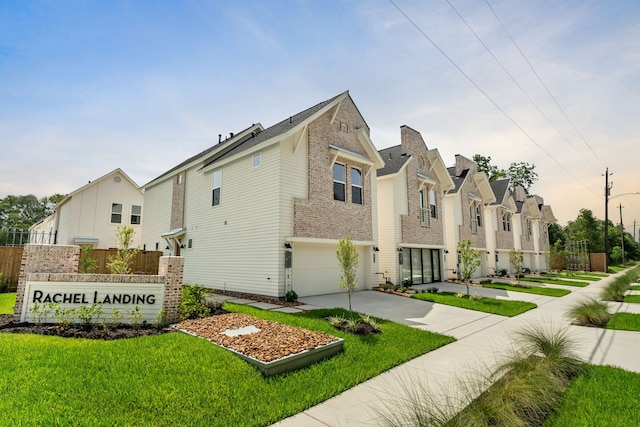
[(17, 237)]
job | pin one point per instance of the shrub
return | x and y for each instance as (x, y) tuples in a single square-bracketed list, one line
[(64, 316), (162, 319), (116, 317), (460, 294), (121, 262), (87, 315), (4, 284), (135, 317), (86, 264), (615, 290), (475, 297), (433, 289), (193, 304), (590, 312), (291, 296)]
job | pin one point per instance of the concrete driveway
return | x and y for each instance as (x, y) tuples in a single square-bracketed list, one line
[(444, 319)]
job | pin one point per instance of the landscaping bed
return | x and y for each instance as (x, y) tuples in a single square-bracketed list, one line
[(268, 340)]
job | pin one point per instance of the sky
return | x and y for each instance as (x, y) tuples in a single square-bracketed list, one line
[(90, 86)]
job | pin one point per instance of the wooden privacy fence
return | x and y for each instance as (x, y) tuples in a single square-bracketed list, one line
[(145, 262)]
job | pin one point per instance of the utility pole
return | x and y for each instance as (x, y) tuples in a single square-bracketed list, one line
[(621, 234), (606, 221)]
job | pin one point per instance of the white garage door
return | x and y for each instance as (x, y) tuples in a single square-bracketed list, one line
[(316, 270)]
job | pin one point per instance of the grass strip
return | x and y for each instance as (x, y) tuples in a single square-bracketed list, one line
[(537, 290), (554, 281), (635, 288), (486, 305), (624, 322), (572, 277), (177, 379), (7, 303), (632, 299), (599, 396)]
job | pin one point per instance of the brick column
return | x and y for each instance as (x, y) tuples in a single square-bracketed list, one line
[(44, 259), (172, 268)]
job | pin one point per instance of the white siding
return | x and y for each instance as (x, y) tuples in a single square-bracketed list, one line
[(452, 218), (236, 245), (156, 215), (392, 204)]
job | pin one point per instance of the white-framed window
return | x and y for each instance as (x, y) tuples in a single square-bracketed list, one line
[(339, 182), (116, 213), (179, 178), (356, 186), (506, 221), (475, 216), (136, 214), (424, 216), (217, 185), (257, 160), (529, 229), (433, 208)]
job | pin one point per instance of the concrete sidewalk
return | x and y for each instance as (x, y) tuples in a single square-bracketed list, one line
[(482, 340)]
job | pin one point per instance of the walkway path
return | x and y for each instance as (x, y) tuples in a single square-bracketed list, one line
[(482, 339)]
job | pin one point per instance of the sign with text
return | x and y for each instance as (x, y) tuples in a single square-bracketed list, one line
[(42, 298)]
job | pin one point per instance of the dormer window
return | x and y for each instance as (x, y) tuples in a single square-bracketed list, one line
[(506, 221)]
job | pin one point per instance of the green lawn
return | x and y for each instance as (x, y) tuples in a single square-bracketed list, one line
[(580, 276), (635, 288), (632, 298), (7, 302), (600, 396), (554, 281), (624, 321), (487, 305), (537, 290), (177, 379)]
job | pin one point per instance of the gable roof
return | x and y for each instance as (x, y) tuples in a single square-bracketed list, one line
[(96, 181), (500, 188), (278, 129), (458, 180)]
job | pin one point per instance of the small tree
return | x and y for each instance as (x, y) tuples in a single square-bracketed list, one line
[(86, 264), (348, 258), (121, 262), (516, 260), (469, 261)]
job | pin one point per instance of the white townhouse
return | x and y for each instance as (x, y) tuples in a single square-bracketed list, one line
[(411, 188), (91, 214), (262, 211), (499, 226), (464, 208)]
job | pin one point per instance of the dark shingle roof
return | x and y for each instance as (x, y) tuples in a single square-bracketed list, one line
[(393, 160), (275, 130), (251, 140), (500, 188), (457, 180)]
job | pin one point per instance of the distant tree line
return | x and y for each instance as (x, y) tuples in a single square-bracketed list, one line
[(21, 212)]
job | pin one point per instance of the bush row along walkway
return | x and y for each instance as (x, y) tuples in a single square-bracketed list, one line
[(483, 339)]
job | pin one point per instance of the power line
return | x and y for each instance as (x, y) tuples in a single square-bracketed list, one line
[(542, 83), (495, 104), (513, 79)]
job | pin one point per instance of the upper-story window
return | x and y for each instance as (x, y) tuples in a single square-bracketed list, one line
[(116, 213), (217, 185), (136, 214), (432, 204), (529, 229), (424, 216), (356, 186), (257, 160), (339, 182), (475, 216), (179, 178), (506, 221)]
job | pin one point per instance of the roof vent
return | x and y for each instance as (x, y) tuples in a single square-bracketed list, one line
[(219, 138), (290, 119), (231, 135)]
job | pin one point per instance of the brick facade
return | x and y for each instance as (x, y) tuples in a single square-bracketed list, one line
[(320, 216), (177, 201), (412, 229), (504, 239)]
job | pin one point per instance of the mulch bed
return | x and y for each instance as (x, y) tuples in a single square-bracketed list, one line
[(77, 331), (274, 340)]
